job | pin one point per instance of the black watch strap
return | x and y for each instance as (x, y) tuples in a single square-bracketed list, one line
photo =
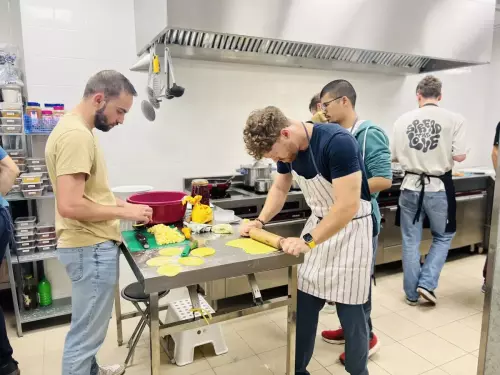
[(260, 221)]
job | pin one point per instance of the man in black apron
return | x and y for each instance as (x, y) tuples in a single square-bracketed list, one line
[(325, 161), (426, 142)]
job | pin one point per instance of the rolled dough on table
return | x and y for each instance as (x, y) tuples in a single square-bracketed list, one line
[(250, 246), (203, 252), (158, 261), (191, 261), (169, 270), (170, 251)]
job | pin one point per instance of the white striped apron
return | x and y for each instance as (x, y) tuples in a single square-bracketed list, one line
[(339, 269)]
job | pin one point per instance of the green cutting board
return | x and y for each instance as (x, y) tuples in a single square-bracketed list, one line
[(134, 246)]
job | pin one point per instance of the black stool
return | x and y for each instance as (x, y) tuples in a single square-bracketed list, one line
[(135, 293)]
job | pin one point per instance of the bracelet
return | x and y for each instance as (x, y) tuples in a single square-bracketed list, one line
[(260, 221)]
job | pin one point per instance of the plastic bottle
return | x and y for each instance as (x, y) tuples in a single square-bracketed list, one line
[(45, 292)]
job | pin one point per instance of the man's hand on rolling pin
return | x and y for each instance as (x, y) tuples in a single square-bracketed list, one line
[(247, 225), (294, 246)]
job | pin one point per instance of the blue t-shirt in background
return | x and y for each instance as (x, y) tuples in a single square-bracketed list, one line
[(336, 154), (3, 155)]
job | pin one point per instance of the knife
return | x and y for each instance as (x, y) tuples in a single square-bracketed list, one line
[(142, 240)]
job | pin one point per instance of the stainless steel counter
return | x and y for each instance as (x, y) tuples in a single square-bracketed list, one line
[(227, 262)]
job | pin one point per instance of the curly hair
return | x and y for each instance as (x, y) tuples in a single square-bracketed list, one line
[(262, 130), (429, 87)]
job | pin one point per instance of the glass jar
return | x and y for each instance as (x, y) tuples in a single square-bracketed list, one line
[(33, 111), (201, 187), (57, 113), (29, 295)]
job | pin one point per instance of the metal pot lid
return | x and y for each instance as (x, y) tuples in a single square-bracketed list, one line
[(251, 166)]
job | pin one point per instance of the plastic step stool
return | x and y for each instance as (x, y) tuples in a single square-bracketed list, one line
[(187, 341)]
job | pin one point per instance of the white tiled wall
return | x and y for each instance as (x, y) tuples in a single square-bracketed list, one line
[(200, 134)]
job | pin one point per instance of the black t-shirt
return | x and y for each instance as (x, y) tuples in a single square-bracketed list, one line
[(336, 154), (497, 135)]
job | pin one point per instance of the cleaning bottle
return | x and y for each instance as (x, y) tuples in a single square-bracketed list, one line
[(45, 292)]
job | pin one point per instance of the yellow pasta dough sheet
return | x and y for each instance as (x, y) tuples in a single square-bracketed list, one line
[(191, 261), (158, 261), (170, 251), (169, 270), (202, 252), (250, 246)]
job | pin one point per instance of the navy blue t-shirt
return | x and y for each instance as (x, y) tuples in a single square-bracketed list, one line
[(336, 154)]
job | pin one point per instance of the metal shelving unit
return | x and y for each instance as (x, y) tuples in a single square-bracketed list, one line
[(59, 307)]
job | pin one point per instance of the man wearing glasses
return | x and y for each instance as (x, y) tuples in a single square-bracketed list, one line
[(338, 103)]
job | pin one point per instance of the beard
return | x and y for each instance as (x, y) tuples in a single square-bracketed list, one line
[(101, 120)]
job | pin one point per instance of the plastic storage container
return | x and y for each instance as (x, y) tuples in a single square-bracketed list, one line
[(42, 243), (25, 222), (11, 106), (35, 161), (37, 168), (45, 228), (57, 113), (11, 113), (15, 189), (46, 236), (25, 244), (11, 129), (30, 231), (22, 168), (31, 177), (33, 186), (35, 193), (16, 153), (19, 159), (11, 94), (10, 121), (47, 247), (26, 251), (23, 238)]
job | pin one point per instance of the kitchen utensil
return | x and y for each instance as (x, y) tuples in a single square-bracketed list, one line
[(138, 227), (265, 237), (173, 91), (156, 76), (262, 185), (187, 249), (148, 110), (252, 172), (167, 205)]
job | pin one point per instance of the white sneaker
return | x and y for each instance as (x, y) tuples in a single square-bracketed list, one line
[(329, 308), (112, 370)]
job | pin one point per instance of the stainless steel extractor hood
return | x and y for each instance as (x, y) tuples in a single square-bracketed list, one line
[(388, 36)]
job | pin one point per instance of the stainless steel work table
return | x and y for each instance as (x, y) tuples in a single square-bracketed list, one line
[(227, 262)]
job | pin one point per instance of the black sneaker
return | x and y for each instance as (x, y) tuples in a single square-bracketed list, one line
[(427, 295), (411, 302), (10, 368)]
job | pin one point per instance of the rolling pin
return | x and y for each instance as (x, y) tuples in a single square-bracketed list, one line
[(265, 237)]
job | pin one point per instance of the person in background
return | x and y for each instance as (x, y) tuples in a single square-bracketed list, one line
[(339, 98), (87, 216), (325, 161), (427, 142), (494, 159), (8, 173), (315, 108)]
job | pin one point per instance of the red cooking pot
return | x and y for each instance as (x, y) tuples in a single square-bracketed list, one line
[(167, 205)]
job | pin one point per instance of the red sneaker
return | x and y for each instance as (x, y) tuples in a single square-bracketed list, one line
[(334, 337), (373, 348)]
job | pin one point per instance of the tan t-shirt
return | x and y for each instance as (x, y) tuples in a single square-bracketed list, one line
[(72, 148)]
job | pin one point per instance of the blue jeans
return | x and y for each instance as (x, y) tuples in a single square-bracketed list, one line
[(435, 207), (93, 272), (6, 235)]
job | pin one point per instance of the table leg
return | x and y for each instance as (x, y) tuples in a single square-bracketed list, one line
[(292, 320), (118, 316), (154, 334)]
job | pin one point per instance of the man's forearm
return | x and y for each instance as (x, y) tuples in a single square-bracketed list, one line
[(378, 184), (120, 202), (338, 217), (274, 203), (86, 210), (7, 179)]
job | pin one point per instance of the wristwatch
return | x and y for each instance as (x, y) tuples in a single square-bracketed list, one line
[(309, 240)]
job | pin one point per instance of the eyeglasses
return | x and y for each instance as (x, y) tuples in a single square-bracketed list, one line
[(326, 104)]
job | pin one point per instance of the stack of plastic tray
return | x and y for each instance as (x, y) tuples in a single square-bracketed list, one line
[(32, 185), (46, 239), (25, 235)]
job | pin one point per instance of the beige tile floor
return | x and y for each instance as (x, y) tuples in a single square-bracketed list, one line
[(416, 340)]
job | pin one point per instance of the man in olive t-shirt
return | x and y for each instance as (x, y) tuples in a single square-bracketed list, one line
[(87, 216)]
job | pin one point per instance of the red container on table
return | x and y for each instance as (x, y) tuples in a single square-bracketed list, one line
[(167, 205)]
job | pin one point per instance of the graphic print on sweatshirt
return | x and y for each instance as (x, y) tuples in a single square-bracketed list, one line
[(423, 135)]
